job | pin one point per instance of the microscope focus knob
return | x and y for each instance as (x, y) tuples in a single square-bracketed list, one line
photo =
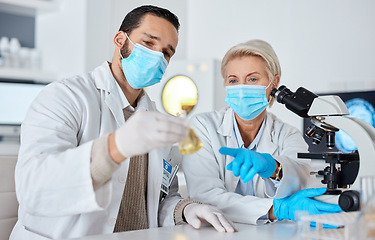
[(349, 201)]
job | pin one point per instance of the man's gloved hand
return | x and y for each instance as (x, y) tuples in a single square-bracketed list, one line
[(145, 131), (285, 208), (247, 163), (196, 213)]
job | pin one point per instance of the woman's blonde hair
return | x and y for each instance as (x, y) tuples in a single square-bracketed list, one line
[(257, 48)]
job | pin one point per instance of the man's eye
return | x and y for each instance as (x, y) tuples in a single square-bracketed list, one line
[(148, 43)]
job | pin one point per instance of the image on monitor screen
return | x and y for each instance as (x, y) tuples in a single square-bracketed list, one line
[(360, 105), (15, 100)]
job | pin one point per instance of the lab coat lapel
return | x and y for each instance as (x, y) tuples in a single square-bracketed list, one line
[(226, 129), (266, 145), (104, 80), (113, 105)]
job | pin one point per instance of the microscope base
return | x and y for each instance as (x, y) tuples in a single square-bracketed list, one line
[(348, 200), (333, 199)]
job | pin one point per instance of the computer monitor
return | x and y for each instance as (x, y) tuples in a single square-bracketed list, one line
[(360, 105), (15, 100)]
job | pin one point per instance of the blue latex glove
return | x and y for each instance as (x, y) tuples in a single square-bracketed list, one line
[(285, 208), (247, 163)]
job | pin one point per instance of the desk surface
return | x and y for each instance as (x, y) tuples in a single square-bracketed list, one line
[(278, 230)]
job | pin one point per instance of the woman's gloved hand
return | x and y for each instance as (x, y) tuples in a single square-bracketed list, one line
[(285, 208), (196, 213), (247, 163)]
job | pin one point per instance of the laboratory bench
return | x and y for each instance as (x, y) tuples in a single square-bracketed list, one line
[(276, 230)]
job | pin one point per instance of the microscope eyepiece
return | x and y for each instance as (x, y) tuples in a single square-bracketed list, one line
[(298, 102), (280, 93)]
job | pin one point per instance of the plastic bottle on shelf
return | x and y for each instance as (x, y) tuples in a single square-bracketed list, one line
[(35, 59), (4, 51), (24, 57), (14, 47), (1, 60)]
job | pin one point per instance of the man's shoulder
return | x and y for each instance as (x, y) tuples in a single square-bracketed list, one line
[(81, 83)]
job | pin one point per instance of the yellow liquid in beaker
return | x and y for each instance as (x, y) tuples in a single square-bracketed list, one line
[(190, 144)]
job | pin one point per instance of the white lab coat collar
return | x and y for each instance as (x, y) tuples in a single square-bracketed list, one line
[(266, 145), (254, 144), (102, 75), (124, 101), (104, 80), (226, 127), (142, 101)]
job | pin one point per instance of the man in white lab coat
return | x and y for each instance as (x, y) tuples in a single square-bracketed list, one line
[(82, 134)]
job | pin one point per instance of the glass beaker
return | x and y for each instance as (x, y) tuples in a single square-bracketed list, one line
[(191, 143), (365, 228)]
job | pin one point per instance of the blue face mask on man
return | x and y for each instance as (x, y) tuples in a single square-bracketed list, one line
[(247, 101), (143, 67)]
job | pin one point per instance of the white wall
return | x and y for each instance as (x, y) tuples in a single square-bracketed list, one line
[(322, 45), (98, 33), (61, 38), (319, 43), (75, 39)]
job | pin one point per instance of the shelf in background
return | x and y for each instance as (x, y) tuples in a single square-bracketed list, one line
[(29, 7), (27, 75), (9, 148)]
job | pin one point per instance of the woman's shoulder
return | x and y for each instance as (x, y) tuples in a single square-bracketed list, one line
[(279, 125), (214, 118), (212, 115)]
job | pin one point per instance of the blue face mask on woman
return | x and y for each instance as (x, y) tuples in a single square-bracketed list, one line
[(143, 67), (248, 101)]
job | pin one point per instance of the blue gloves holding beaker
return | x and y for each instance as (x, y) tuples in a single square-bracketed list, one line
[(285, 208), (247, 163)]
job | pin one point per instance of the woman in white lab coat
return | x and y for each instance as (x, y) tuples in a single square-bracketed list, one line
[(259, 159)]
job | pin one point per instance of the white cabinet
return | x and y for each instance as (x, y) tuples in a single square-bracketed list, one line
[(14, 10), (28, 8), (27, 75), (73, 36)]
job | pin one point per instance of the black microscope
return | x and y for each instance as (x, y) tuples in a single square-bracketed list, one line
[(327, 117)]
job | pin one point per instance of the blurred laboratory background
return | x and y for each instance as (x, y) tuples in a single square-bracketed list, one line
[(325, 46)]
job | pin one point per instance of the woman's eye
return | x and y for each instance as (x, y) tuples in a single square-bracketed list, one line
[(232, 80), (253, 79), (167, 55)]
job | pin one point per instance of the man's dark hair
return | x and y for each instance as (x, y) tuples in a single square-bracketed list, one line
[(134, 18)]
